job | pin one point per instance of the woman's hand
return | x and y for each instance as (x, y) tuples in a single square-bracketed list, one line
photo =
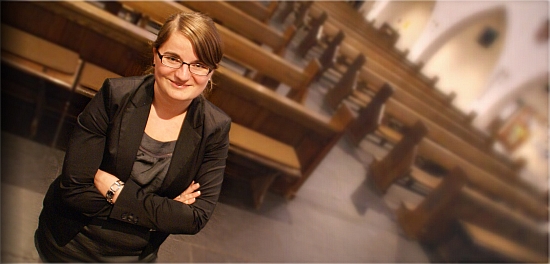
[(188, 196)]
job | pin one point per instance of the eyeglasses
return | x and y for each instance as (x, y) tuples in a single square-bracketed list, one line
[(176, 63)]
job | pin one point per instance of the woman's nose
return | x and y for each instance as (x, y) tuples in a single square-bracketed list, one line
[(183, 72)]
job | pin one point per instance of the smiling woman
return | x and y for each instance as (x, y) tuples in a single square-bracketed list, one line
[(146, 158)]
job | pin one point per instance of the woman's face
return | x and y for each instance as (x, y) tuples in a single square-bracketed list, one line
[(177, 85)]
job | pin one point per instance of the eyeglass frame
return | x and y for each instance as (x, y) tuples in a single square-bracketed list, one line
[(182, 63)]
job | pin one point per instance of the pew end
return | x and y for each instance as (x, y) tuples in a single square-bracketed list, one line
[(299, 93), (430, 220), (389, 34), (288, 35), (398, 162)]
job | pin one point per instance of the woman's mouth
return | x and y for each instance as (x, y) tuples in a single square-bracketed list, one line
[(178, 84)]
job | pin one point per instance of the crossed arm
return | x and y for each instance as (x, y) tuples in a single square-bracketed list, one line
[(103, 181)]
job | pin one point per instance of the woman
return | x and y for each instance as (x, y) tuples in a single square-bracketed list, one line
[(146, 158)]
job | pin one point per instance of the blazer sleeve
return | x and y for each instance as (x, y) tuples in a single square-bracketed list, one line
[(169, 216), (84, 155)]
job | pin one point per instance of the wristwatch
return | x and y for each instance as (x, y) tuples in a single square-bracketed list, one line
[(112, 190)]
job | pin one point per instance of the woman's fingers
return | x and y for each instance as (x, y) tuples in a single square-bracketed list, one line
[(189, 196), (192, 188)]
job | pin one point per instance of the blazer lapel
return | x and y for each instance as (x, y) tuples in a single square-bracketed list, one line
[(132, 127), (184, 156)]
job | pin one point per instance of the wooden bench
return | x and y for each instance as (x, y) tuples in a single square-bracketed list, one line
[(120, 53), (288, 133), (432, 221), (346, 84), (53, 63), (313, 36), (449, 134), (258, 10), (389, 63), (244, 24), (472, 243), (245, 52), (399, 161), (296, 9), (516, 192), (441, 104)]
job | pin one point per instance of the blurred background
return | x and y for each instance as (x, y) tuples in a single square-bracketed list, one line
[(443, 159)]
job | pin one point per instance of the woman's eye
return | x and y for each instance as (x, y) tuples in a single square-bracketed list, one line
[(198, 65), (173, 59)]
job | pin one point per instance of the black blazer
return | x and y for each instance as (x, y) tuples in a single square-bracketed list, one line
[(107, 137)]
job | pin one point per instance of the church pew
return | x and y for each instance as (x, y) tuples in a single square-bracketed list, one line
[(399, 161), (309, 135), (329, 55), (368, 117), (442, 111), (115, 50), (335, 95), (314, 32), (392, 65), (472, 243), (446, 133), (515, 191), (258, 10), (298, 10), (246, 53), (441, 148), (431, 96), (244, 24), (345, 85), (51, 63), (503, 165), (433, 220)]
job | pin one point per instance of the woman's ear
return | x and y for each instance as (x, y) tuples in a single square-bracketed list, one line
[(154, 53)]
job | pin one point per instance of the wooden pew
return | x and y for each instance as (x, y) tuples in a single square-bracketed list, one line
[(442, 107), (258, 10), (472, 243), (432, 221), (516, 192), (329, 56), (399, 161), (433, 111), (503, 165), (314, 33), (246, 53), (52, 63), (389, 63), (368, 117), (120, 53), (346, 85), (244, 24), (306, 134), (297, 9)]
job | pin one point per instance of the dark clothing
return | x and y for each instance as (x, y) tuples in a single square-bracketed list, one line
[(108, 136)]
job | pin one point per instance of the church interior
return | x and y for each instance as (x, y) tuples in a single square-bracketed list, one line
[(362, 131)]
